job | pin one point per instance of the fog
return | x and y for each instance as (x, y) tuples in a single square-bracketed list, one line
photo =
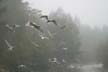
[(90, 12), (53, 36)]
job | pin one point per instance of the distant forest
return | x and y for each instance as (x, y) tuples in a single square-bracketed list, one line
[(33, 42)]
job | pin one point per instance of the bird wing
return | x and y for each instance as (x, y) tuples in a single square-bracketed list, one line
[(46, 17), (36, 45), (50, 34), (16, 25), (10, 28), (36, 26), (54, 22), (9, 45)]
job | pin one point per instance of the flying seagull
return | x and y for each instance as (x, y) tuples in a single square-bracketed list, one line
[(54, 21), (36, 45), (12, 27), (21, 66), (63, 61), (44, 16), (50, 34), (54, 60), (10, 47), (48, 20), (43, 37), (65, 48), (15, 25), (36, 26)]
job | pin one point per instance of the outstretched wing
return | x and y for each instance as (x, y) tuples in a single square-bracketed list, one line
[(44, 16), (36, 26), (52, 21), (10, 47), (10, 28)]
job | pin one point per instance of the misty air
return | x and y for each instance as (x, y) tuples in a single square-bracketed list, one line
[(53, 36)]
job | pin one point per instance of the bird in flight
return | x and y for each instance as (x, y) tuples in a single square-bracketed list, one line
[(12, 27), (10, 47), (21, 66), (43, 37), (53, 60), (31, 24), (15, 25), (65, 48), (50, 34), (36, 26), (44, 16), (52, 21), (63, 61), (36, 45), (48, 20)]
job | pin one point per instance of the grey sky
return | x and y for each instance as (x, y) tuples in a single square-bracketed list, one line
[(91, 12)]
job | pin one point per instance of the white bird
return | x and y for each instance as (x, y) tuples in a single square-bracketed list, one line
[(65, 48), (34, 25), (9, 27), (63, 61), (12, 27), (71, 66), (53, 60), (21, 66), (10, 47), (43, 37), (35, 44), (49, 33), (16, 25)]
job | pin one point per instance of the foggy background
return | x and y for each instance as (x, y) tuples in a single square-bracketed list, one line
[(53, 36), (91, 12)]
